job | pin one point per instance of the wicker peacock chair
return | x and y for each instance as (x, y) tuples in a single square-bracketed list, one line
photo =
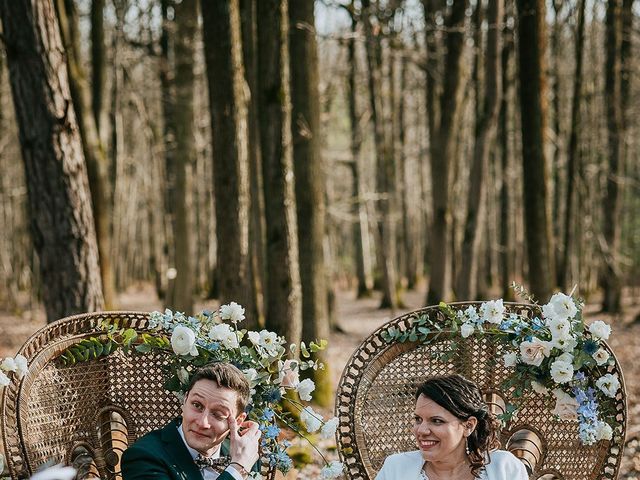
[(85, 414), (375, 400)]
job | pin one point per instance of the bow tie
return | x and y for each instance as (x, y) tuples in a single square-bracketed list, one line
[(217, 464)]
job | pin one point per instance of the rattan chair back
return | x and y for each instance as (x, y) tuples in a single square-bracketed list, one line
[(375, 401), (85, 414)]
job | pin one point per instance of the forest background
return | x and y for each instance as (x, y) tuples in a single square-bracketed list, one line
[(299, 156)]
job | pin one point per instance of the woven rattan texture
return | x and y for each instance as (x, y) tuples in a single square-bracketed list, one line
[(375, 401), (96, 407)]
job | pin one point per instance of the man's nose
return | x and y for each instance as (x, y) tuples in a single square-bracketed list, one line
[(203, 420)]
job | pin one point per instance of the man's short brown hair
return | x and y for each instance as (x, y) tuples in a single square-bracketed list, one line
[(225, 375)]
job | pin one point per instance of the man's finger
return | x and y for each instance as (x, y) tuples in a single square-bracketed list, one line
[(233, 427)]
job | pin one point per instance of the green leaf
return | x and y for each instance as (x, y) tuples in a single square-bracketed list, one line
[(143, 348), (129, 337)]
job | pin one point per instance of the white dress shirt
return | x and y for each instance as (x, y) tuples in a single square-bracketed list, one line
[(209, 473)]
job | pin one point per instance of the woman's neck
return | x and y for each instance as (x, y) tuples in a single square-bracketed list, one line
[(450, 470)]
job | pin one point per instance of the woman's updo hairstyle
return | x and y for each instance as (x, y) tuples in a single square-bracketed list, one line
[(463, 399)]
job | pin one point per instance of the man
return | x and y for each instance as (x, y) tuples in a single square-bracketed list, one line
[(187, 448)]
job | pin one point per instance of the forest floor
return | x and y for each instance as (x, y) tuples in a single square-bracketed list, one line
[(357, 318)]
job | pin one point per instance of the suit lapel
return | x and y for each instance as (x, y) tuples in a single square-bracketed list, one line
[(177, 451)]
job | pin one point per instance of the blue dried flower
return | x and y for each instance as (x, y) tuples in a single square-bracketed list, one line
[(590, 347), (273, 395)]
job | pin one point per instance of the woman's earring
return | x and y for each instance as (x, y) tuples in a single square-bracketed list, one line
[(466, 445)]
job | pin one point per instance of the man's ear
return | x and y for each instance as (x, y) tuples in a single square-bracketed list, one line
[(240, 418)]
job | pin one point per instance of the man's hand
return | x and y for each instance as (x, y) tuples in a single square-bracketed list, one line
[(244, 444)]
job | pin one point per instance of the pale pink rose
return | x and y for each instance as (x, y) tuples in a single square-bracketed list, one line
[(533, 352), (566, 406), (290, 378)]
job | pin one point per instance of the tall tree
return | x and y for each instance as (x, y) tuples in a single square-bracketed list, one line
[(385, 168), (58, 188), (360, 222), (442, 139), (507, 250), (284, 303), (568, 252), (98, 62), (611, 278), (531, 28), (228, 107), (248, 23), (310, 183), (177, 85), (466, 288), (94, 151)]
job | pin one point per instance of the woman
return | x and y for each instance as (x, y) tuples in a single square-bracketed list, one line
[(456, 436)]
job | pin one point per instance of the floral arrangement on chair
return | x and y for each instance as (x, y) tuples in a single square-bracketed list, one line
[(554, 354), (194, 341)]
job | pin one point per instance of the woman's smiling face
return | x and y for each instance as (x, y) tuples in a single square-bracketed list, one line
[(440, 435)]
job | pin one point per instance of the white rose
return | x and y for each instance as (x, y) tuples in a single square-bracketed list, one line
[(566, 406), (332, 470), (222, 333), (604, 431), (492, 311), (311, 420), (9, 365), (601, 356), (57, 472), (539, 388), (254, 337), (251, 374), (563, 305), (466, 329), (304, 389), (560, 328), (329, 428), (233, 312), (269, 341), (510, 359), (183, 341), (565, 344), (183, 376), (600, 330), (561, 372), (23, 367), (609, 384), (565, 357), (533, 352), (4, 380)]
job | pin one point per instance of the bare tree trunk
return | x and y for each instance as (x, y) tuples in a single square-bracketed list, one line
[(229, 126), (228, 119), (59, 198), (611, 279), (257, 222), (186, 15), (573, 164), (558, 185), (531, 27), (284, 303), (310, 184), (485, 136), (507, 249), (360, 223), (385, 176), (94, 152), (97, 61), (442, 157)]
